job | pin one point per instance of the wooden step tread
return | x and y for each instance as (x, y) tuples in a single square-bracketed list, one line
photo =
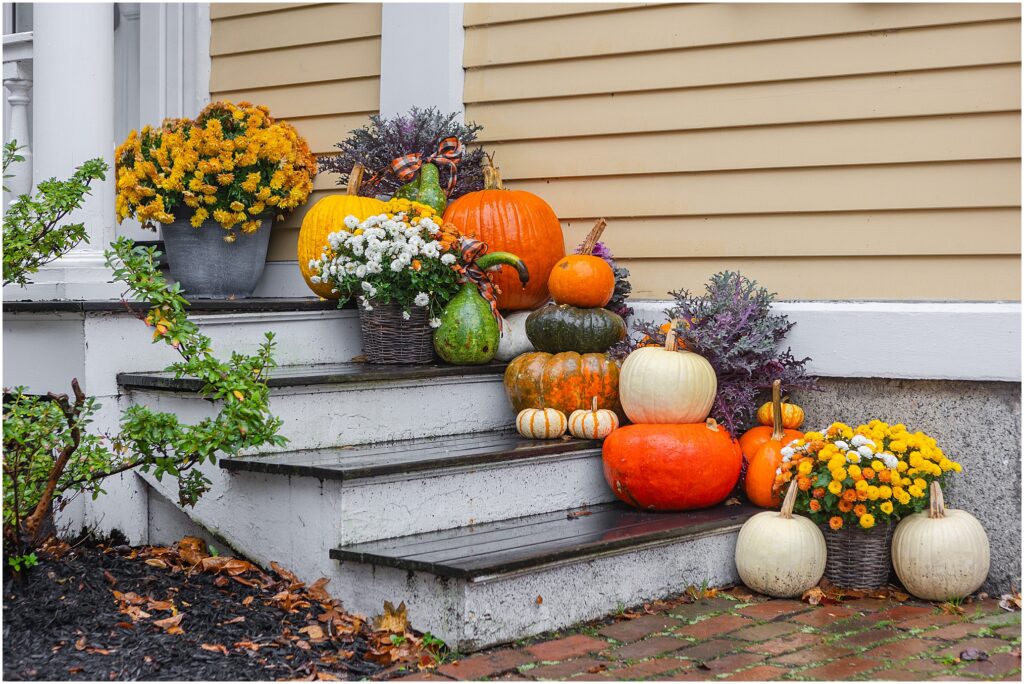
[(320, 374), (523, 543), (209, 306), (416, 455)]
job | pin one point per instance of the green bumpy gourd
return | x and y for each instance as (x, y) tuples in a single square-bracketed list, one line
[(469, 334), (425, 189)]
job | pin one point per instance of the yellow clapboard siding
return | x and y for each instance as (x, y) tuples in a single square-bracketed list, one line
[(304, 64), (943, 232), (484, 13), (956, 91), (665, 27), (843, 278), (862, 53), (304, 25), (854, 188), (313, 99), (323, 132), (223, 10), (977, 136)]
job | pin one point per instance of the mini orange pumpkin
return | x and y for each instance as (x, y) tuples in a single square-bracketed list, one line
[(792, 415), (583, 279), (760, 479)]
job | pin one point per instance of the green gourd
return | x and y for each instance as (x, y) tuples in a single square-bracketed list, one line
[(425, 189), (468, 334)]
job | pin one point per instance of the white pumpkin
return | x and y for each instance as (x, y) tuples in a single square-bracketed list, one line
[(592, 423), (663, 385), (940, 554), (780, 554), (513, 341), (541, 423)]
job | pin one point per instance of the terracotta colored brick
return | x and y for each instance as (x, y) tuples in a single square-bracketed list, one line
[(986, 644), (567, 669), (823, 616), (953, 632), (1009, 632), (632, 630), (716, 626), (648, 668), (423, 677), (695, 675), (897, 675), (770, 610), (709, 650), (692, 611), (486, 664), (867, 638), (999, 619), (932, 620), (648, 647), (840, 669), (851, 625), (901, 649), (733, 662), (868, 604), (900, 613), (997, 665), (989, 606), (569, 647), (769, 630), (814, 654), (761, 673), (925, 665), (785, 644)]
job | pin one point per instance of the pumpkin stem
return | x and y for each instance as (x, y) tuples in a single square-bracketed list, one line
[(670, 336), (593, 236), (777, 431), (355, 179), (711, 424), (492, 175), (787, 504), (593, 404), (937, 507)]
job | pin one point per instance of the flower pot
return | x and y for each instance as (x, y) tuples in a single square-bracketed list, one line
[(210, 268), (389, 338), (858, 558)]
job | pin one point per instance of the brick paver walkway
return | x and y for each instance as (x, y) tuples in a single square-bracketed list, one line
[(756, 639)]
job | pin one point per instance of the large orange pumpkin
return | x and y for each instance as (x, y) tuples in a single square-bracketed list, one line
[(760, 479), (567, 381), (328, 216), (583, 279), (672, 467), (514, 221)]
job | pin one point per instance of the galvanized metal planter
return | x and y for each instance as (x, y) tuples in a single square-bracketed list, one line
[(209, 268)]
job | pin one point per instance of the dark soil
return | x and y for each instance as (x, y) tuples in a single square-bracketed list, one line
[(100, 613)]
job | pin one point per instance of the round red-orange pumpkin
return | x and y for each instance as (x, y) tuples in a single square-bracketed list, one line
[(514, 221), (763, 464), (582, 279), (754, 438), (672, 467), (566, 381)]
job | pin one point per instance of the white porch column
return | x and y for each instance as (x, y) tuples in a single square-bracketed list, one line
[(73, 121), (424, 78), (18, 82)]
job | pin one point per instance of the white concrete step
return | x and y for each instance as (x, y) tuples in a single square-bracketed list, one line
[(497, 582), (331, 405)]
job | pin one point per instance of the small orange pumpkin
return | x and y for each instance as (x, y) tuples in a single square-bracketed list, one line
[(583, 279), (760, 480), (792, 415)]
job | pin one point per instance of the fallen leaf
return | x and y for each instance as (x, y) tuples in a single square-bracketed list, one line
[(125, 625), (221, 582), (160, 605), (734, 501), (156, 563), (284, 573), (597, 668), (248, 645), (247, 600), (813, 596), (952, 609), (578, 514), (216, 648), (1011, 601), (80, 644), (192, 550), (303, 644), (99, 651), (111, 580), (327, 677), (74, 670), (314, 632), (394, 620), (234, 620), (973, 654), (317, 592), (171, 625)]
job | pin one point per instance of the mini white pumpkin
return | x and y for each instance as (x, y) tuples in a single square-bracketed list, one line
[(663, 385), (541, 423), (592, 423), (941, 554), (513, 341), (780, 554)]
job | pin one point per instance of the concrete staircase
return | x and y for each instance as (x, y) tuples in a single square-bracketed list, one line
[(407, 484)]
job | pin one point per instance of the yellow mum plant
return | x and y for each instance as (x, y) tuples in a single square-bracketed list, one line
[(234, 164), (863, 476)]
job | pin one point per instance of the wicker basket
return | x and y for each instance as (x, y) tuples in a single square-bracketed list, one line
[(389, 338), (859, 559)]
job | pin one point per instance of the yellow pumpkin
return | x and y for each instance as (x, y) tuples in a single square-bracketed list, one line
[(792, 415), (592, 423), (541, 423), (328, 216)]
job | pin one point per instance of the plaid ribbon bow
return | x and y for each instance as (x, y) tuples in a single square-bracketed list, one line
[(471, 251), (449, 153)]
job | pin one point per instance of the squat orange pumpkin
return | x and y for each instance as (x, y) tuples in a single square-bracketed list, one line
[(671, 467), (583, 279)]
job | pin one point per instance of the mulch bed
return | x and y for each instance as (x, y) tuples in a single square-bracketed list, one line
[(100, 612)]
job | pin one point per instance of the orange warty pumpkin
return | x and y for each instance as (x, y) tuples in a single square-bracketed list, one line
[(760, 479), (582, 279), (567, 381), (671, 467), (512, 221)]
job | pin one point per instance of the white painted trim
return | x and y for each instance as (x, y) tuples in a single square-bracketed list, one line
[(912, 340), (282, 279), (427, 77)]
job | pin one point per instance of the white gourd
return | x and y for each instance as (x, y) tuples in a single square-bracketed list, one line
[(780, 554), (541, 423), (940, 554), (663, 385), (592, 423), (513, 341)]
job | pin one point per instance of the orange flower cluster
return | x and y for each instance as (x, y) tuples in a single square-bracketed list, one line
[(233, 163)]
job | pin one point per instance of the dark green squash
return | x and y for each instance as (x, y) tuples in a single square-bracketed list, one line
[(559, 328), (425, 189)]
